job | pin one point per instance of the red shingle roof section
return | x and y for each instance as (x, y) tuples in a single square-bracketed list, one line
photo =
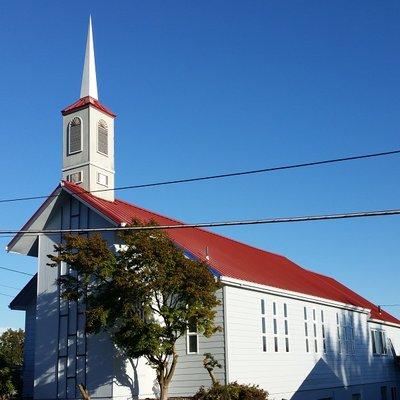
[(237, 260), (83, 102)]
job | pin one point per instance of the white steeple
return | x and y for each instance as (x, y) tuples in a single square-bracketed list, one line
[(89, 81)]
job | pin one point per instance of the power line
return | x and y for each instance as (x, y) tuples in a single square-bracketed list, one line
[(8, 295), (389, 305), (279, 220), (221, 176), (9, 287), (16, 271)]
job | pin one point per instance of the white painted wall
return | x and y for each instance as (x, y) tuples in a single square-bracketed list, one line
[(89, 160), (298, 374)]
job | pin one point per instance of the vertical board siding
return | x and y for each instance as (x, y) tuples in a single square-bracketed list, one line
[(29, 349), (297, 374)]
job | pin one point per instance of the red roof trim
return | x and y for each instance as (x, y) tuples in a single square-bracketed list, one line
[(84, 102)]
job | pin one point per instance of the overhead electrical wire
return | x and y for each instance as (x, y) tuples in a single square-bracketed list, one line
[(16, 271), (7, 295), (279, 220), (222, 176), (8, 287)]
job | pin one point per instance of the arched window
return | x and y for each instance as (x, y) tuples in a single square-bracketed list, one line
[(75, 136), (102, 137)]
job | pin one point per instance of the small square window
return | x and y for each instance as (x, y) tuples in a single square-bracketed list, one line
[(102, 179), (75, 177)]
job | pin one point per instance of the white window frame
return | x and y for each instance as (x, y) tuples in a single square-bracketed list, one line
[(286, 334), (98, 180), (323, 332), (188, 335), (384, 349), (275, 329), (306, 330), (264, 344), (69, 152), (73, 173)]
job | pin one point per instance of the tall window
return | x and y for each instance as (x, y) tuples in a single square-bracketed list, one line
[(323, 331), (315, 330), (339, 335), (102, 137), (263, 326), (306, 330), (75, 136), (192, 339), (286, 326), (275, 324), (378, 338)]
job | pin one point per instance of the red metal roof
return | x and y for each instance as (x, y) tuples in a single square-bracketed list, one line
[(234, 259), (83, 102)]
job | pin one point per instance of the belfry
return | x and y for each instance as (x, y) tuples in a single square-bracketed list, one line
[(88, 135)]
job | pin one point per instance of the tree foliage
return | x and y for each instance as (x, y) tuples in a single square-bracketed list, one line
[(145, 295), (11, 361)]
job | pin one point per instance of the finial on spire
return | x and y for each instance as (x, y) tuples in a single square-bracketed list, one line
[(89, 80)]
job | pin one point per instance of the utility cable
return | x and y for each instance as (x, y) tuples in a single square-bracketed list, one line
[(221, 176), (16, 271), (9, 287), (309, 218)]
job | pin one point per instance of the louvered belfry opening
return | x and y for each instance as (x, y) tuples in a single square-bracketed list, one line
[(75, 136), (102, 137)]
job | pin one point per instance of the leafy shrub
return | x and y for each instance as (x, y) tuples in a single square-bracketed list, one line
[(232, 391)]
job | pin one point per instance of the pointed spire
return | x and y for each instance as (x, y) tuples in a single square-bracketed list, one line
[(89, 81)]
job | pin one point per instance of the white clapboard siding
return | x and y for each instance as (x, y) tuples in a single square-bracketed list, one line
[(190, 373), (297, 374)]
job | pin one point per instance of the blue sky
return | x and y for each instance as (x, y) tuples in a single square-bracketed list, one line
[(215, 86)]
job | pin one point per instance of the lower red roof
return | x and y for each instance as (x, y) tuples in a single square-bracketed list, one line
[(237, 260)]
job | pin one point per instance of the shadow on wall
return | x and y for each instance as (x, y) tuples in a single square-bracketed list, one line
[(349, 366), (57, 366), (122, 376)]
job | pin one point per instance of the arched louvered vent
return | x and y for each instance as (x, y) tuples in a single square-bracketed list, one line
[(102, 137), (75, 136)]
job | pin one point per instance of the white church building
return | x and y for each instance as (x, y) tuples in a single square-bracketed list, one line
[(295, 333)]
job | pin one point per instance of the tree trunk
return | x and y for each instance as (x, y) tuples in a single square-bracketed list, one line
[(164, 390), (84, 392)]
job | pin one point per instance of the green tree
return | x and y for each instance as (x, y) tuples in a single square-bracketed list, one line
[(144, 296), (11, 361)]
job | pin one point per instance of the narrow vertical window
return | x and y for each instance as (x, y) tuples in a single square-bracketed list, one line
[(286, 327), (315, 331), (75, 136), (102, 137), (384, 393), (192, 339), (263, 327), (275, 325), (350, 335), (323, 331), (339, 337), (306, 330)]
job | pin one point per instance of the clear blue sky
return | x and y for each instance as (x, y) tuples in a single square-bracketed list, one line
[(214, 86)]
